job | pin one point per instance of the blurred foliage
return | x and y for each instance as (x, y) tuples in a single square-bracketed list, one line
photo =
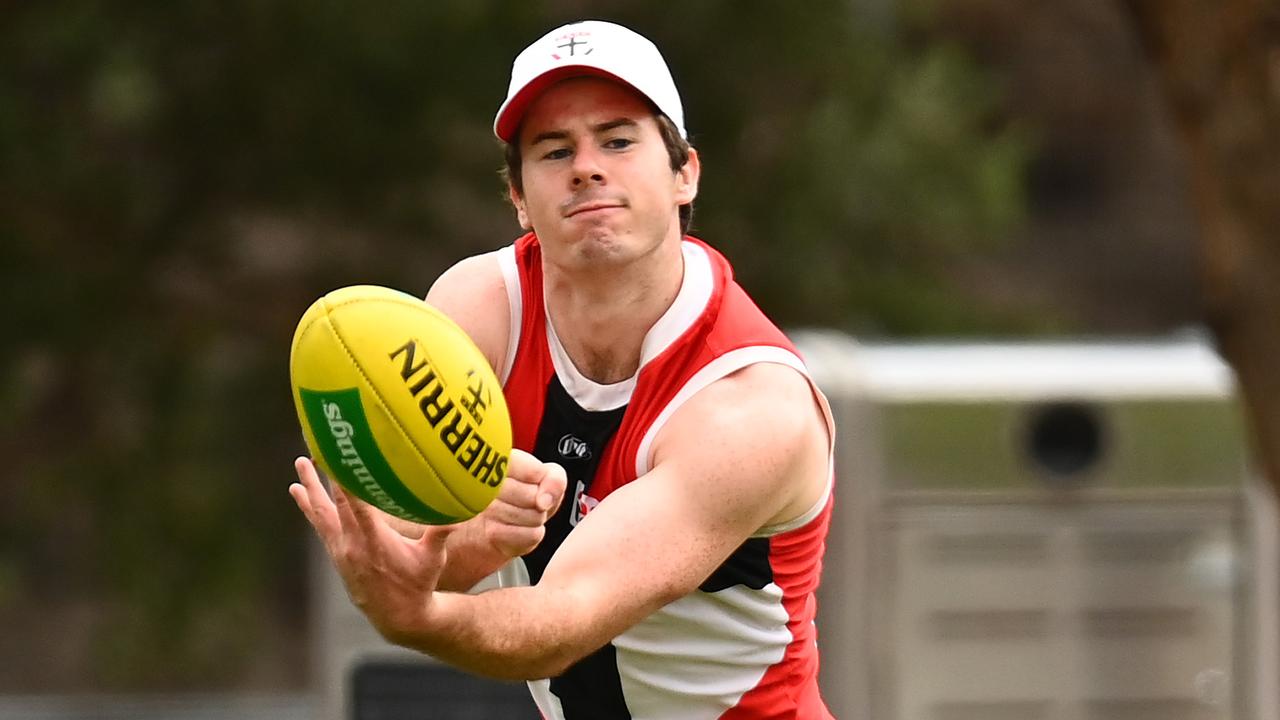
[(179, 180)]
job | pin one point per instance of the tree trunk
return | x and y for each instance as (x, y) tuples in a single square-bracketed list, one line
[(1219, 63)]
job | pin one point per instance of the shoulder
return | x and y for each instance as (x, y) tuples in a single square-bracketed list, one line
[(762, 429), (473, 293)]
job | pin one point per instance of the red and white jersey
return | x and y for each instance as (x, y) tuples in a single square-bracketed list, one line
[(744, 644)]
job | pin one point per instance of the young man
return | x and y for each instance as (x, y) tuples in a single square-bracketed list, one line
[(677, 579)]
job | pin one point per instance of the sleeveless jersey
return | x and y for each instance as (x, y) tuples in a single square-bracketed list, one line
[(742, 646)]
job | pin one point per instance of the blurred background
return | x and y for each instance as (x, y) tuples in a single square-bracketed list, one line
[(178, 181)]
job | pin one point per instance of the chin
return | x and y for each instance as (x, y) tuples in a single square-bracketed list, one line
[(602, 246), (600, 252)]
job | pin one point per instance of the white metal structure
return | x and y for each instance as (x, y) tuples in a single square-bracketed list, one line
[(1056, 531)]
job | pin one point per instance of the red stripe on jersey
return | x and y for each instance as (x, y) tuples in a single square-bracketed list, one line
[(526, 387), (731, 321), (788, 689)]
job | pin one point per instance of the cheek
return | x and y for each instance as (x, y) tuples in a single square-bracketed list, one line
[(537, 206), (659, 189), (534, 197)]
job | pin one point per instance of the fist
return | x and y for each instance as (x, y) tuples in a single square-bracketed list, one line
[(531, 493)]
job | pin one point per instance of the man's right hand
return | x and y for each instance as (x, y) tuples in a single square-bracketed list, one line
[(513, 523)]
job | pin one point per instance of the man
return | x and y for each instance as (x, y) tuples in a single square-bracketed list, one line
[(677, 580)]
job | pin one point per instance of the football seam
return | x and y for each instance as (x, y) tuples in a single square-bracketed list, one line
[(329, 308), (302, 332)]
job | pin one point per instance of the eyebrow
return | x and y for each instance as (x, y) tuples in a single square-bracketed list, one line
[(603, 127)]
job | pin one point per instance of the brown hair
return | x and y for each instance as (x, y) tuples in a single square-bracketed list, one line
[(677, 152)]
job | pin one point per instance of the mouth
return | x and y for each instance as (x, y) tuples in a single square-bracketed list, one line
[(592, 207)]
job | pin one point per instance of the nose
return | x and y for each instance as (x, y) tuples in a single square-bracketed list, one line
[(587, 168)]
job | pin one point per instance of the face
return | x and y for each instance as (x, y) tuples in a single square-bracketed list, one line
[(598, 184)]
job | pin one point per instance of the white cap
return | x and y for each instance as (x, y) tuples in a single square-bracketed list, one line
[(589, 47)]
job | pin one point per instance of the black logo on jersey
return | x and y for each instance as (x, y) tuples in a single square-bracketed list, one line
[(572, 448)]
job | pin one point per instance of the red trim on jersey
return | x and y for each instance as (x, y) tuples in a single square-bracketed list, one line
[(526, 386), (730, 321)]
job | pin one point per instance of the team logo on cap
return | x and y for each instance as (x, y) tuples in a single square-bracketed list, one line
[(573, 44)]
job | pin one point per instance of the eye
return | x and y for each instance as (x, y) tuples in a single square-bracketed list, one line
[(557, 154), (619, 143)]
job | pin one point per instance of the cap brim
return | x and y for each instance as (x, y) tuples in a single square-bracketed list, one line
[(512, 111)]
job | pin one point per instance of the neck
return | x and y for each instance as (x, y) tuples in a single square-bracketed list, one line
[(602, 315)]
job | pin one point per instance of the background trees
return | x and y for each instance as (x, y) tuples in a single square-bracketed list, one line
[(1219, 65)]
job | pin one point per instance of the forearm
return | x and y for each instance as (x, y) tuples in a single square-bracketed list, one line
[(509, 634)]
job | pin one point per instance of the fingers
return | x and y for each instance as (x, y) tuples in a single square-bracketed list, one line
[(309, 495), (519, 493), (548, 479), (370, 527), (387, 576), (335, 518), (530, 494), (435, 537), (363, 513), (513, 541), (522, 465), (552, 488), (519, 514), (355, 532), (342, 505)]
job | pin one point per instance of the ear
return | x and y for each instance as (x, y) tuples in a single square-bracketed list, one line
[(522, 214), (687, 179)]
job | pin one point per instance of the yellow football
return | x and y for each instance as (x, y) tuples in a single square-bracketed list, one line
[(398, 405)]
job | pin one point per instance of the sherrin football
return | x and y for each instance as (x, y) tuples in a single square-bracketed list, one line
[(398, 405)]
